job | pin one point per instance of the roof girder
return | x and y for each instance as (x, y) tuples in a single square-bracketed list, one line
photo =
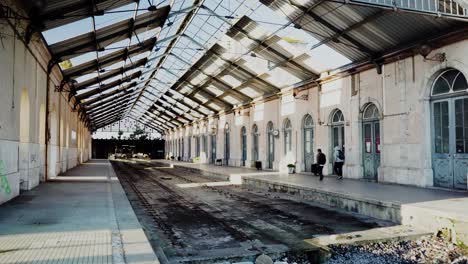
[(108, 86), (107, 35), (112, 73), (125, 90), (109, 59)]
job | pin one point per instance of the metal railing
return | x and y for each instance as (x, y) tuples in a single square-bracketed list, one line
[(448, 8)]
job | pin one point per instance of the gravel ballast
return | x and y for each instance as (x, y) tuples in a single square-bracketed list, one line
[(427, 250)]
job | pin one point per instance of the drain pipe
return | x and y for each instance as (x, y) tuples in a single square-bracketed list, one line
[(47, 134)]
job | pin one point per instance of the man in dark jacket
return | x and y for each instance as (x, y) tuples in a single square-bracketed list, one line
[(321, 160)]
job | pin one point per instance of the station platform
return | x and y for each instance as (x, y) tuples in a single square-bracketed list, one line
[(429, 208), (82, 216)]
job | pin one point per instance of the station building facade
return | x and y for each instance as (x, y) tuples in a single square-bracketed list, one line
[(406, 123)]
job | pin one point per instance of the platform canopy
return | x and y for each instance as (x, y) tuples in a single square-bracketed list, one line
[(170, 63)]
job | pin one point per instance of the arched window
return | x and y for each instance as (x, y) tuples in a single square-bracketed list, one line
[(287, 127), (308, 122), (370, 112), (270, 127), (255, 135), (449, 81), (337, 117)]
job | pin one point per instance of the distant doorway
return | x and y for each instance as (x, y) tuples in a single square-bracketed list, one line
[(244, 145), (450, 130), (227, 145), (308, 139), (338, 138), (270, 145)]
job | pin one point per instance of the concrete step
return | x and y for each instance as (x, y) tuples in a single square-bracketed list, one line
[(383, 234), (384, 210)]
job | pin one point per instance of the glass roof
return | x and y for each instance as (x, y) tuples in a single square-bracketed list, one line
[(267, 53)]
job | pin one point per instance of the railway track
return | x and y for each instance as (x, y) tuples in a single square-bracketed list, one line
[(204, 223)]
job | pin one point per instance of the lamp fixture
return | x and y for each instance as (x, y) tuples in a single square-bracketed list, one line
[(426, 49)]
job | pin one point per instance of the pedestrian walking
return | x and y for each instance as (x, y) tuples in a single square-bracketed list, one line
[(338, 158), (321, 160)]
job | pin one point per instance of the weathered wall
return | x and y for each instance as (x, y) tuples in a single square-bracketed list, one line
[(401, 93), (23, 136)]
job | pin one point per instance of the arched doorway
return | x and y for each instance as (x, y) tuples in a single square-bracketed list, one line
[(287, 128), (337, 127), (255, 135), (450, 129), (308, 140), (371, 142), (227, 147), (270, 145), (244, 145)]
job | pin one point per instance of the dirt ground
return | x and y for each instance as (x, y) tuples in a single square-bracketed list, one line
[(189, 223)]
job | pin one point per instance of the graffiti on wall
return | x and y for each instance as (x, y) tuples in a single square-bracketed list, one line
[(4, 185)]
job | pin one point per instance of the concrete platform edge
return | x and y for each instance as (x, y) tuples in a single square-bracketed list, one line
[(135, 245)]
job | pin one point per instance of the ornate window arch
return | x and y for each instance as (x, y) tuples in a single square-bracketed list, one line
[(270, 127), (307, 121), (371, 112), (448, 82), (337, 117)]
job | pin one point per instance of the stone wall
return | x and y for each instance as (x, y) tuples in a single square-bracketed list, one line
[(23, 135)]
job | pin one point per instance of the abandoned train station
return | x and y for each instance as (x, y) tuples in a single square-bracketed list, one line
[(237, 131)]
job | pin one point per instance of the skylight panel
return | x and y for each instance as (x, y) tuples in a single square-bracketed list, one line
[(204, 110), (182, 106), (214, 66), (67, 31), (177, 110), (232, 100), (293, 46), (190, 102), (256, 65), (247, 42), (83, 58), (86, 77), (280, 77), (215, 90), (215, 106), (123, 12), (231, 80), (201, 98), (185, 90), (250, 92), (258, 33), (326, 58), (199, 78)]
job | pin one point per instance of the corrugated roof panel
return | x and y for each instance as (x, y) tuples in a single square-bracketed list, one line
[(105, 36)]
